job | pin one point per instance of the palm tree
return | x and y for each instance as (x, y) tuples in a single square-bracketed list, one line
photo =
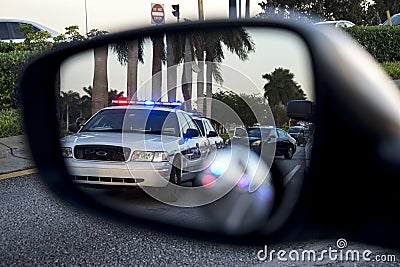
[(114, 95), (175, 54), (236, 40), (130, 54), (100, 78), (281, 87), (159, 57), (69, 99)]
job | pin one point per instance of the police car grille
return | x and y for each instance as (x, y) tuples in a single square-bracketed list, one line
[(101, 152)]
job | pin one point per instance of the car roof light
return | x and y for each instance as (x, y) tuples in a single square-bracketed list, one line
[(120, 101), (148, 103)]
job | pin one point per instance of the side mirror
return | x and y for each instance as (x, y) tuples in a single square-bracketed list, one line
[(79, 121), (212, 134), (190, 133), (303, 110), (73, 127)]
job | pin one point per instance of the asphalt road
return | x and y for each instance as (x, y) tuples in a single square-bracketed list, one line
[(39, 230)]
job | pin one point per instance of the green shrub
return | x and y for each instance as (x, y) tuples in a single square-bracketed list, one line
[(381, 42), (392, 69), (7, 47), (11, 66), (10, 123)]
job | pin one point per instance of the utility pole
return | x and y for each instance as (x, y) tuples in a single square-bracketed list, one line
[(86, 18)]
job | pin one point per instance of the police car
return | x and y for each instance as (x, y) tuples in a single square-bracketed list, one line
[(141, 144), (208, 131)]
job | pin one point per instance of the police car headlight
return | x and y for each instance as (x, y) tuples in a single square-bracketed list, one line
[(155, 156), (66, 152), (160, 156), (143, 156), (256, 143)]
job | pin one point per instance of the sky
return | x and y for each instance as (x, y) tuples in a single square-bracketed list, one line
[(117, 15), (109, 15)]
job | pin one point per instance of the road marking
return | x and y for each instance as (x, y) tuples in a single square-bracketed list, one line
[(290, 175), (16, 174)]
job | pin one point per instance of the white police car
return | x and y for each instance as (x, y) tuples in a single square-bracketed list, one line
[(208, 131), (145, 144)]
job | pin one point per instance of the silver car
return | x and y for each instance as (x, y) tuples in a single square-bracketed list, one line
[(209, 132), (136, 145)]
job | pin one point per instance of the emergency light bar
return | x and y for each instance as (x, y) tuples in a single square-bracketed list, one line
[(149, 103)]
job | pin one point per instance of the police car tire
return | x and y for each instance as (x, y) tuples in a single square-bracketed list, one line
[(175, 179)]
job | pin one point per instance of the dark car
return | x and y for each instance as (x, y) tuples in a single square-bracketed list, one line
[(258, 137), (298, 133)]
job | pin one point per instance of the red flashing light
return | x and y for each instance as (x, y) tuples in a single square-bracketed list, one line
[(121, 101)]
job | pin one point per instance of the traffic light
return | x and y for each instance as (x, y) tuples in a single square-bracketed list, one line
[(176, 11)]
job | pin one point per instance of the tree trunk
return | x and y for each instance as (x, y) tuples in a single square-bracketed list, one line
[(200, 87), (187, 76), (247, 11), (132, 70), (209, 74), (232, 9), (100, 79), (172, 79), (156, 80)]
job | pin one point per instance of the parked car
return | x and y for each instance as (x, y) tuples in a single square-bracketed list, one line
[(209, 132), (298, 133), (9, 30), (336, 23), (258, 136), (395, 20)]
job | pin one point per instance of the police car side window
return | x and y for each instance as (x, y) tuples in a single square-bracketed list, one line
[(183, 123), (191, 123), (209, 127)]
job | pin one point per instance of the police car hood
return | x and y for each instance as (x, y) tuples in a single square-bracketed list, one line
[(135, 141)]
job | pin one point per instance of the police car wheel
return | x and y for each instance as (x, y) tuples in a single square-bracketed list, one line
[(175, 181), (175, 176)]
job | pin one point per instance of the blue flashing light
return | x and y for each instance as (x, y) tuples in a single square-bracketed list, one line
[(176, 103), (149, 103)]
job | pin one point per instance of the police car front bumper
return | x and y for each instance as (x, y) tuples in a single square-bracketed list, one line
[(151, 174)]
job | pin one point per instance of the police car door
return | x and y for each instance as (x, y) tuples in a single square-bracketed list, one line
[(192, 146)]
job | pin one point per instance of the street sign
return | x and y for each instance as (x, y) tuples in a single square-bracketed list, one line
[(157, 14)]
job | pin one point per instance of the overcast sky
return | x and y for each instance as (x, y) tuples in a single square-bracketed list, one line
[(110, 15)]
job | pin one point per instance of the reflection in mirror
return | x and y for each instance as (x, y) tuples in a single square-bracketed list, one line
[(190, 128)]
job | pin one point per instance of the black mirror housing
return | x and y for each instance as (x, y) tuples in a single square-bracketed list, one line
[(73, 127), (303, 110)]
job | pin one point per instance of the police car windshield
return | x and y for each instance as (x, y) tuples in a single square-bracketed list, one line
[(135, 121)]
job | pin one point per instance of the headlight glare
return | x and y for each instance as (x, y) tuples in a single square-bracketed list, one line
[(66, 152), (160, 156), (256, 143), (143, 156)]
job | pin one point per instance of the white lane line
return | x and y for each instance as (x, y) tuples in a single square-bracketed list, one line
[(290, 175)]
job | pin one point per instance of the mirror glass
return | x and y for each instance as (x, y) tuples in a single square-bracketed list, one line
[(190, 128)]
